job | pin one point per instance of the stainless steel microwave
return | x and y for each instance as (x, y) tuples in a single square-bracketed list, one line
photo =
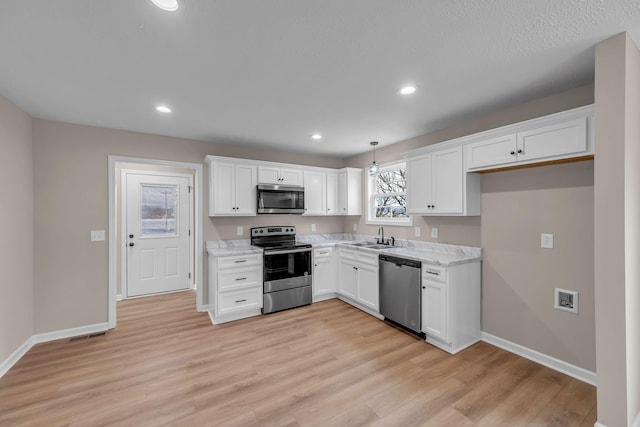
[(280, 199)]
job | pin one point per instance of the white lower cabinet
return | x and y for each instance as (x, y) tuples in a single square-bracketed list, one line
[(235, 287), (358, 280), (451, 305), (324, 274)]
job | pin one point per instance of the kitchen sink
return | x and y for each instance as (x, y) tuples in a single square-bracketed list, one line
[(376, 246)]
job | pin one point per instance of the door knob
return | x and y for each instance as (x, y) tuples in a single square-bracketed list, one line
[(132, 244), (131, 236)]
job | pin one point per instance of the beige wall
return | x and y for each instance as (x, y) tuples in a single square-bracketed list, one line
[(518, 277), (71, 187), (16, 217), (617, 234)]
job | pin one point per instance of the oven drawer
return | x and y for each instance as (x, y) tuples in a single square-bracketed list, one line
[(239, 261), (229, 280), (231, 302)]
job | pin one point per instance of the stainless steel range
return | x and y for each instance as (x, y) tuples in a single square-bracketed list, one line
[(287, 268)]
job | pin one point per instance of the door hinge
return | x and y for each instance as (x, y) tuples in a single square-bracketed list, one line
[(189, 232), (189, 189), (189, 275)]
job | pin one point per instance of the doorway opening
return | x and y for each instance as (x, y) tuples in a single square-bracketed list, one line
[(155, 229)]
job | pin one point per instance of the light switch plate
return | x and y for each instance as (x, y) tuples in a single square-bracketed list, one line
[(546, 241), (240, 231), (355, 226), (97, 235), (434, 233), (313, 227), (416, 231)]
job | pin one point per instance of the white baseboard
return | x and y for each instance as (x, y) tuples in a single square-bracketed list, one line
[(68, 333), (15, 356), (119, 297), (597, 424), (636, 423), (543, 359), (46, 337)]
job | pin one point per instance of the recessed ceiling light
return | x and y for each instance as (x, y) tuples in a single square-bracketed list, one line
[(163, 109), (407, 90), (168, 5), (316, 136)]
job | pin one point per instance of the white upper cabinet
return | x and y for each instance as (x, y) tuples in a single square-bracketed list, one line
[(332, 194), (279, 175), (350, 191), (315, 193), (232, 188), (438, 185), (550, 138)]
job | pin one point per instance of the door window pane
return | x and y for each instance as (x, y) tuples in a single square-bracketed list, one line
[(159, 209)]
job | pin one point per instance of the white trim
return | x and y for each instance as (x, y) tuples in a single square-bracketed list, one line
[(369, 207), (69, 333), (636, 423), (199, 227), (543, 359), (597, 424), (16, 356), (119, 297), (46, 337)]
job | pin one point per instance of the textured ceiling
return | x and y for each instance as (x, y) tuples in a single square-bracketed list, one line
[(272, 72)]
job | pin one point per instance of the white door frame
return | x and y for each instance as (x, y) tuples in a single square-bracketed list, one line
[(113, 161), (124, 259)]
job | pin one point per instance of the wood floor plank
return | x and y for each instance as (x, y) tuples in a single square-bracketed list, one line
[(328, 364)]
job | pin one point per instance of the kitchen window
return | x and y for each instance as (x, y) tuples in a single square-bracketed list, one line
[(387, 196)]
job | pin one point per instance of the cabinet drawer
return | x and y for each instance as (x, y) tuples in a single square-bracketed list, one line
[(434, 273), (368, 258), (347, 254), (232, 302), (239, 279), (322, 252), (239, 261)]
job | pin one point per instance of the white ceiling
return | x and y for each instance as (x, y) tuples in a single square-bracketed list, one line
[(272, 72)]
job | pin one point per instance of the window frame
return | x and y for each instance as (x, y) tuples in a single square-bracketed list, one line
[(370, 198)]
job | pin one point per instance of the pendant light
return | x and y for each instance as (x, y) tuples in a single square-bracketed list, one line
[(373, 167)]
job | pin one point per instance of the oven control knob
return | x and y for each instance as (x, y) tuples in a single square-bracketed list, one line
[(262, 231)]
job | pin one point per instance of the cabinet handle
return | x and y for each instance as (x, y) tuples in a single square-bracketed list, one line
[(241, 300), (433, 273), (315, 265), (513, 153), (240, 260), (520, 151), (322, 253), (424, 287), (241, 278)]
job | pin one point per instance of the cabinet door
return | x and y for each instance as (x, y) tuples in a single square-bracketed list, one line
[(435, 309), (342, 193), (368, 290), (554, 140), (491, 152), (348, 281), (315, 193), (269, 175), (245, 190), (446, 175), (332, 194), (290, 176), (323, 276), (419, 185), (222, 189)]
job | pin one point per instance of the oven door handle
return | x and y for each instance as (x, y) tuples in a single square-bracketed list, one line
[(287, 251)]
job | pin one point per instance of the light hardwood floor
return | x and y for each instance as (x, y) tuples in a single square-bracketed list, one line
[(328, 364)]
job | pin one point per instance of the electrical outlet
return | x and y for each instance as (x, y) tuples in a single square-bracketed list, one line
[(546, 241), (566, 300), (240, 231), (355, 226), (416, 231), (434, 233), (97, 235), (313, 227)]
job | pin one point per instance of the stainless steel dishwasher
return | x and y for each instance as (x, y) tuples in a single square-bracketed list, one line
[(400, 291)]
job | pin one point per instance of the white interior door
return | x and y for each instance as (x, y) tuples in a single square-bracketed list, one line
[(157, 233)]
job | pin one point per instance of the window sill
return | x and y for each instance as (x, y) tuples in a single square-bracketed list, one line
[(408, 223)]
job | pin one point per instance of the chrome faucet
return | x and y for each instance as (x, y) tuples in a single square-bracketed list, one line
[(381, 235)]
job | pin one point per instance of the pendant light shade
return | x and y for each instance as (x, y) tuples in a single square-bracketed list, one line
[(374, 167)]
